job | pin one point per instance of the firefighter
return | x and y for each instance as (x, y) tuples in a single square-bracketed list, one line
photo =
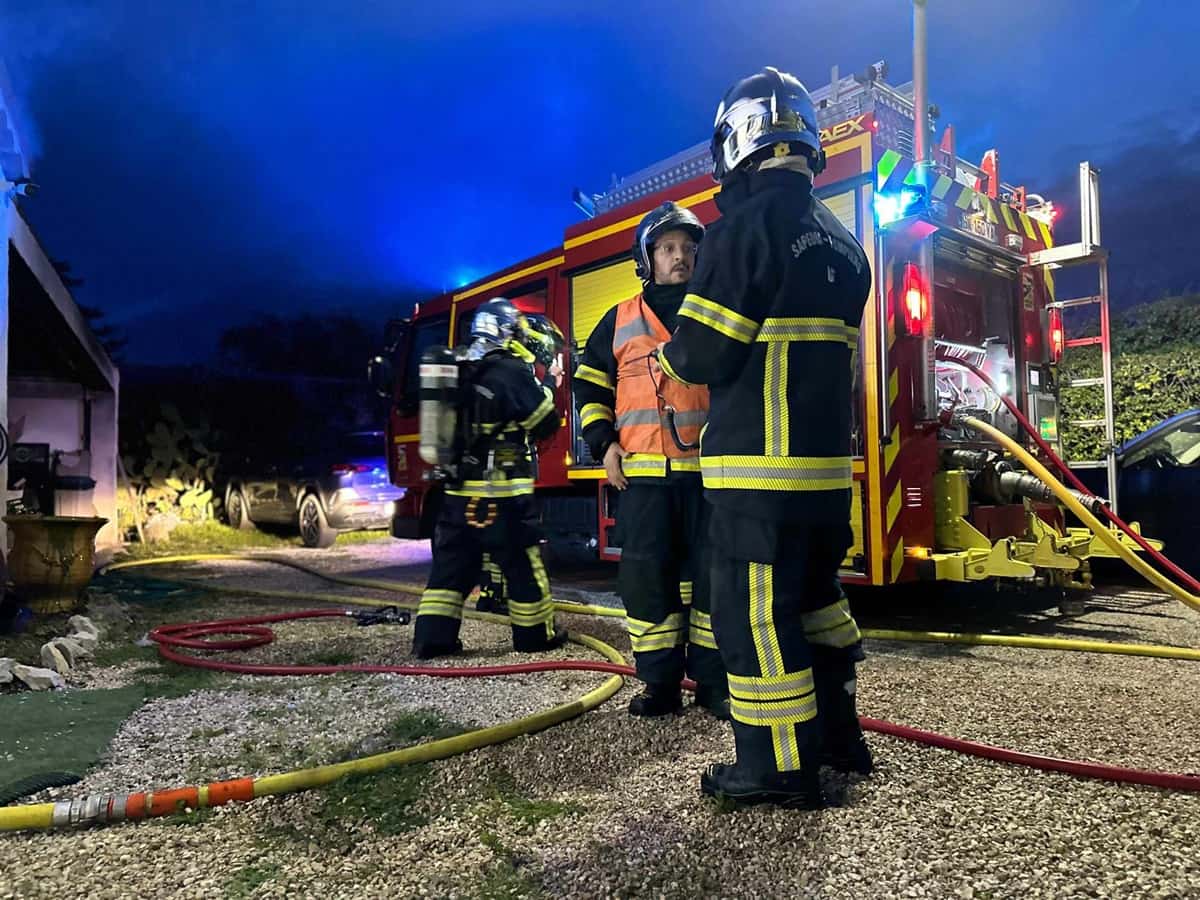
[(646, 429), (770, 323), (488, 504)]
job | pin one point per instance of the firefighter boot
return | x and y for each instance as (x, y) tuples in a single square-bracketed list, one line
[(714, 699), (528, 640), (656, 700), (845, 748), (792, 790)]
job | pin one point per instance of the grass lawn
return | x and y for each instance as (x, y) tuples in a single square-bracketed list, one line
[(215, 537)]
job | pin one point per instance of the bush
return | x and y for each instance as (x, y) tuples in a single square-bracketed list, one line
[(171, 468), (1156, 373)]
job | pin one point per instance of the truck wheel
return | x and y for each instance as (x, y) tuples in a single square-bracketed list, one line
[(236, 511), (314, 527)]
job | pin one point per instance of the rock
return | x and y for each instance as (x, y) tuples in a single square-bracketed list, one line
[(6, 667), (159, 527), (83, 639), (54, 658), (73, 649), (39, 679), (83, 625)]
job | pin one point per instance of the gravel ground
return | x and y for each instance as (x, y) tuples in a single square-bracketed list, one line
[(606, 806)]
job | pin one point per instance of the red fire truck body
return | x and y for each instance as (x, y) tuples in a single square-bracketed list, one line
[(950, 251)]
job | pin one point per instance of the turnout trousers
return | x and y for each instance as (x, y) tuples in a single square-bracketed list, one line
[(786, 634), (503, 528), (663, 579)]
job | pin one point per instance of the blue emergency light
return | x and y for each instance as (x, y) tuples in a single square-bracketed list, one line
[(893, 206)]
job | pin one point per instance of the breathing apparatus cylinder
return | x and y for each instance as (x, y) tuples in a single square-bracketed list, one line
[(439, 393)]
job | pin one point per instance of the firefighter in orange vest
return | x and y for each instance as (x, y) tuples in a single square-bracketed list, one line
[(646, 428)]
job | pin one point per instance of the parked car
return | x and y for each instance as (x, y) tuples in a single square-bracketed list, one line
[(1158, 485), (342, 488)]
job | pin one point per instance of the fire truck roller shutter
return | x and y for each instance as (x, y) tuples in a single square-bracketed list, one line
[(593, 293), (844, 205)]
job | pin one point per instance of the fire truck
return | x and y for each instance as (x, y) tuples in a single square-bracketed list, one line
[(962, 314)]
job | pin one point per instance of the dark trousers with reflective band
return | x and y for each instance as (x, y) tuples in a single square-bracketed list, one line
[(491, 581), (661, 528), (783, 625), (504, 529)]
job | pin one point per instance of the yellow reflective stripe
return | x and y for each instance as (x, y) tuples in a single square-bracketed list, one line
[(754, 688), (762, 618), (719, 318), (539, 571), (685, 593), (1009, 223), (530, 613), (804, 328), (545, 407), (685, 464), (700, 630), (827, 616), (775, 404), (644, 464), (770, 662), (649, 636), (777, 473), (1047, 237), (594, 376), (652, 642), (672, 622), (671, 373), (493, 489), (782, 714), (840, 636), (440, 602), (702, 638), (594, 412), (1027, 224)]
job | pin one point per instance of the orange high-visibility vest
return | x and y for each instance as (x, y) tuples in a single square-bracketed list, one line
[(641, 417)]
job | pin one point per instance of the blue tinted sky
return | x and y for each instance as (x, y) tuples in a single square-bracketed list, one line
[(202, 160)]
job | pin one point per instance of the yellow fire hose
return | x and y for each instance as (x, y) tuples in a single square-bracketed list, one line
[(1160, 651), (1105, 534), (96, 809)]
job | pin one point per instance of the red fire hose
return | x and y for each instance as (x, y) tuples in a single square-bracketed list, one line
[(194, 636)]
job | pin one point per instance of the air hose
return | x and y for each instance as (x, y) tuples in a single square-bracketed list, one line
[(1157, 555)]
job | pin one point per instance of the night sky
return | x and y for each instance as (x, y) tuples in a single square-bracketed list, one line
[(200, 161)]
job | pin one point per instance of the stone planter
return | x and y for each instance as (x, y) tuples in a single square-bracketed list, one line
[(51, 559)]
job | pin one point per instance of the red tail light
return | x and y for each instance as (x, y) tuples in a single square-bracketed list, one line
[(914, 301), (1057, 341), (348, 468)]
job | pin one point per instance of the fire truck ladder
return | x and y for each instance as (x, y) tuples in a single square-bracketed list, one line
[(1089, 252)]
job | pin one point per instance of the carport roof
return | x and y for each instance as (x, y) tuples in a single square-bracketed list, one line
[(48, 335)]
